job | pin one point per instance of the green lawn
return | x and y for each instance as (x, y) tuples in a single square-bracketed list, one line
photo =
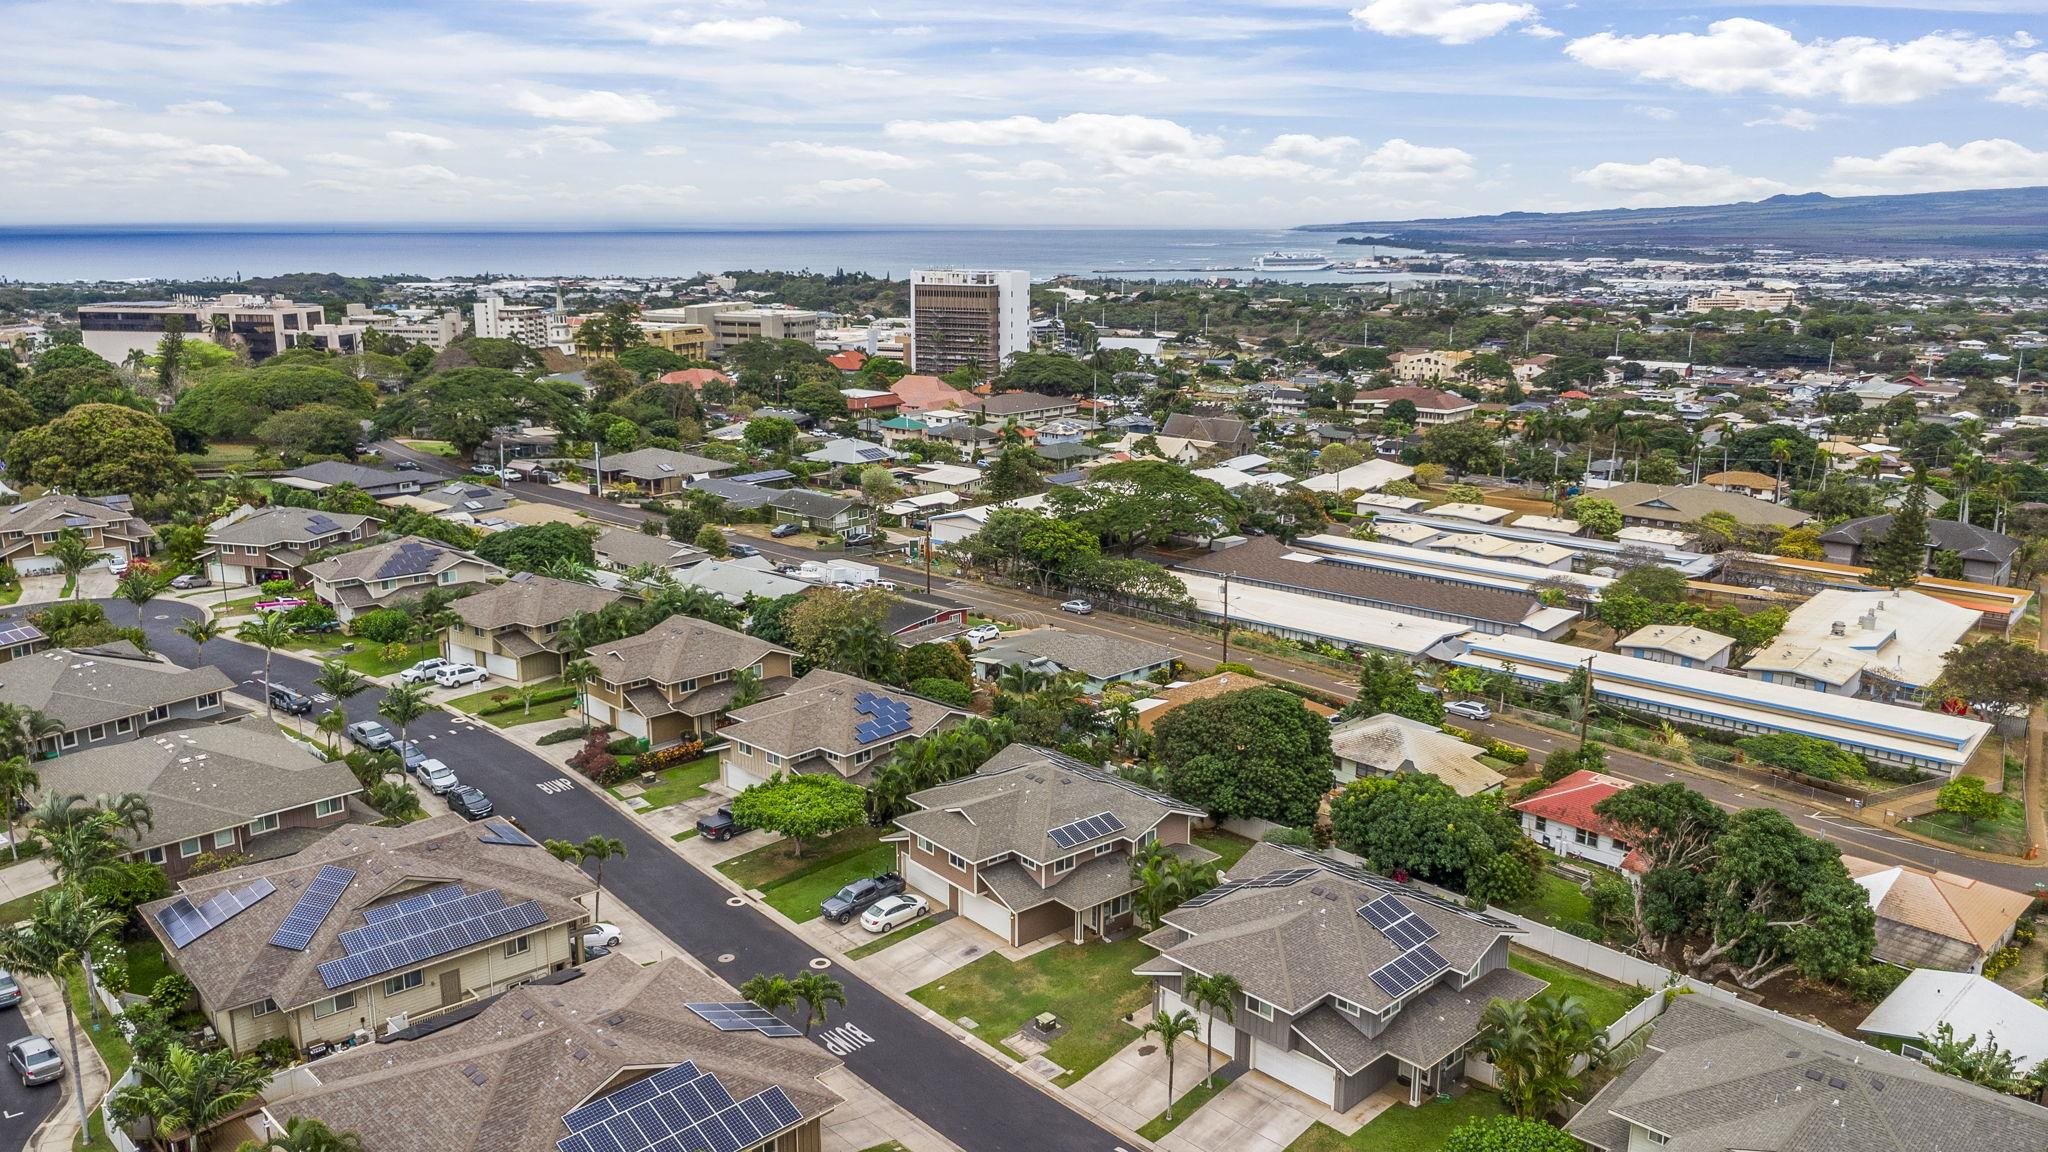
[(2007, 833), (10, 594), (1228, 846), (1157, 1127), (1405, 1129), (146, 965), (368, 658), (773, 863), (680, 783), (113, 1047), (18, 909), (478, 701), (226, 455), (685, 834), (1606, 1001), (1556, 902), (896, 937), (798, 895), (514, 716), (1090, 987), (431, 447)]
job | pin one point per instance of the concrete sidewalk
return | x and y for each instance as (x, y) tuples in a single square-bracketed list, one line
[(24, 878), (42, 1007)]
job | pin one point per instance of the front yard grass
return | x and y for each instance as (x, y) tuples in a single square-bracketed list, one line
[(896, 937), (1606, 1001), (515, 715), (368, 658), (1555, 901), (1405, 1129), (1157, 1127), (771, 863), (146, 964), (680, 783), (1228, 846), (794, 886), (1090, 987), (2007, 833)]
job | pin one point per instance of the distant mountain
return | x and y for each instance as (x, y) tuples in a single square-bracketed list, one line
[(1976, 222)]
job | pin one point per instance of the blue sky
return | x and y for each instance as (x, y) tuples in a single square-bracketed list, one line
[(1188, 112)]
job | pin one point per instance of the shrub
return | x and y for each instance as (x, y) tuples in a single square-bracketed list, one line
[(1871, 983), (2023, 932), (597, 761), (944, 691), (1502, 750), (277, 587), (309, 616), (561, 736), (382, 626), (2000, 960), (1806, 755), (277, 1052), (625, 746), (669, 757), (1292, 837)]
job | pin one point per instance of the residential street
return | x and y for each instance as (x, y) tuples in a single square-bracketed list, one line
[(959, 1093)]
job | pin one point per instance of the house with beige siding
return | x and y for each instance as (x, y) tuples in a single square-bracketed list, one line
[(826, 722), (29, 530), (252, 545), (676, 680), (110, 694), (383, 574), (511, 630), (1036, 843)]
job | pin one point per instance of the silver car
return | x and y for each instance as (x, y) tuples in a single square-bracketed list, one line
[(35, 1060), (438, 777), (10, 989)]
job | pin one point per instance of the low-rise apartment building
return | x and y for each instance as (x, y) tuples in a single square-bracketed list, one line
[(676, 680), (1428, 365), (108, 524), (252, 545), (110, 694), (381, 574), (827, 722), (510, 630), (262, 325), (436, 328)]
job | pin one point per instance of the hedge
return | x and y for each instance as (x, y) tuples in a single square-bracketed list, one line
[(669, 757)]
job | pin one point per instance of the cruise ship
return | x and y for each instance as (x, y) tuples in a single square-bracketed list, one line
[(1292, 262)]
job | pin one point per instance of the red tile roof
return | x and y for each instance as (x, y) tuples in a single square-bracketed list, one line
[(1424, 399), (1570, 801), (695, 377), (926, 393), (1574, 394), (848, 361)]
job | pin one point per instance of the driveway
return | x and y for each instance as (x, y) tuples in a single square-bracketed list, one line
[(1130, 1087), (953, 942), (1254, 1114)]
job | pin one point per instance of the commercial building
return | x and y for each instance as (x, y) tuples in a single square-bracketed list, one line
[(432, 327), (1888, 645), (1426, 365), (1432, 407), (961, 317), (261, 325), (730, 322), (530, 324), (1998, 607), (1308, 616), (1742, 300)]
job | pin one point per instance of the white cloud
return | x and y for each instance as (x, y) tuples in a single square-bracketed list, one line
[(1745, 55), (1123, 75), (874, 158), (200, 108), (850, 187), (665, 150), (1797, 119), (1653, 111), (656, 193), (586, 139), (2029, 84), (420, 141), (593, 107), (371, 100), (751, 30), (1028, 170), (71, 108), (1127, 143), (1302, 146), (202, 3), (1995, 163), (1445, 21), (117, 155), (1669, 180), (1397, 159)]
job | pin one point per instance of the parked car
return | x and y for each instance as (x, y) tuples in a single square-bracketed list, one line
[(118, 566), (35, 1060), (596, 952), (718, 826), (438, 777), (289, 702), (318, 627), (189, 580), (601, 935), (510, 476), (406, 466), (984, 634), (543, 476), (410, 754), (894, 912), (482, 469), (1078, 607), (1469, 709), (370, 734), (422, 671), (455, 675), (280, 604), (856, 897), (470, 801), (10, 989), (785, 531), (742, 549)]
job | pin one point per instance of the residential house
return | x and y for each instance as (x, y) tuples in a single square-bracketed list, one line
[(1985, 556), (325, 474), (827, 722), (743, 496), (1718, 1075), (957, 478), (253, 545), (1428, 365), (1678, 644), (107, 523), (927, 394), (1432, 407), (1678, 505), (848, 452), (230, 789), (1349, 982), (19, 638), (654, 471), (1098, 659), (897, 431), (737, 580), (871, 403), (459, 500), (303, 948), (110, 694), (1023, 407), (1561, 818), (823, 513), (1385, 744), (535, 1067), (1970, 1005), (1745, 482), (675, 681), (381, 574), (1936, 919), (1036, 843), (915, 618), (511, 630), (972, 439), (1156, 707), (1229, 433), (622, 548)]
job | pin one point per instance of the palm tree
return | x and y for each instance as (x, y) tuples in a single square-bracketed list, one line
[(1508, 1038), (1781, 454), (570, 569), (65, 926), (395, 799), (1020, 679), (57, 811), (270, 631), (330, 724), (770, 991), (339, 680), (816, 990), (139, 587), (1170, 1029), (578, 674), (83, 849), (1534, 1047), (1213, 996), (23, 730), (128, 811), (199, 630), (305, 1134), (746, 688), (403, 704), (73, 556), (599, 849), (188, 1092), (18, 778)]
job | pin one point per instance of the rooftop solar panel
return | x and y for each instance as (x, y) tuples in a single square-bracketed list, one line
[(19, 634), (500, 832), (185, 922), (313, 907), (416, 936), (680, 1109)]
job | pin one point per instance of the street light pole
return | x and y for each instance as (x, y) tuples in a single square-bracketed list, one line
[(927, 552), (1226, 618)]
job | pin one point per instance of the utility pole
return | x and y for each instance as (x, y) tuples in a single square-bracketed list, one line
[(1586, 706), (1226, 618), (927, 554)]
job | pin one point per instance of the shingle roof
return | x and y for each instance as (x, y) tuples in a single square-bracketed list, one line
[(531, 601), (405, 556), (1935, 919), (282, 525), (626, 547), (677, 649), (502, 1080), (1092, 654), (1210, 429), (1021, 794), (805, 502), (1018, 403), (85, 688), (734, 492), (58, 511), (1390, 743), (1683, 504), (1436, 1023), (818, 712), (1265, 560), (329, 473), (661, 464), (1965, 540)]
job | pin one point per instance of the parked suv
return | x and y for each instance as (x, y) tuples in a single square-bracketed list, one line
[(469, 801), (850, 901), (422, 671), (717, 826), (785, 531), (289, 702), (370, 734), (454, 675), (438, 777)]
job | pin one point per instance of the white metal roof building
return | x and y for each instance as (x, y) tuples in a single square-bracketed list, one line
[(1968, 1003), (1298, 616), (1449, 567), (1839, 635)]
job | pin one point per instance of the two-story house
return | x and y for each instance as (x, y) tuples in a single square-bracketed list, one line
[(1351, 982), (826, 722), (676, 680), (108, 524), (1561, 818), (381, 574), (509, 629), (223, 789), (252, 545), (370, 929), (1036, 843), (109, 694)]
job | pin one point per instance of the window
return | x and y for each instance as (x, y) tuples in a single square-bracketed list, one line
[(954, 859), (210, 700), (397, 984), (1586, 837), (1542, 824), (225, 838), (1145, 841), (188, 848), (333, 1004), (70, 739), (327, 807), (1347, 1007), (1258, 1007), (1105, 848), (1063, 864), (262, 824), (264, 1009), (924, 846), (124, 724), (159, 712), (154, 855), (1120, 905), (97, 732), (519, 947)]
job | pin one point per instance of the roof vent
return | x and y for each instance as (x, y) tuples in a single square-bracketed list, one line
[(1813, 1074), (1837, 1083), (1792, 1055), (1876, 1085)]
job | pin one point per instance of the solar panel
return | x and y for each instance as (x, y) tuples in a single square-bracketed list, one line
[(427, 899), (679, 1109), (499, 832), (1382, 912), (185, 922), (1410, 931), (416, 936), (19, 634), (311, 911), (742, 1017), (1404, 973), (1085, 829)]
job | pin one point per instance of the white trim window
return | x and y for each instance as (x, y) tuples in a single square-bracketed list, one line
[(404, 983), (264, 1009), (340, 1002), (1063, 865), (1258, 1007), (954, 859), (262, 824), (924, 846), (223, 839), (327, 807), (518, 947), (189, 848)]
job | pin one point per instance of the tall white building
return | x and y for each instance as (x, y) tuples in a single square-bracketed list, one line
[(961, 316), (530, 324)]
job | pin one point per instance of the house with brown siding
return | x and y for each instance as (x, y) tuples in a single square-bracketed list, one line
[(252, 545), (676, 680), (382, 574), (511, 630), (1036, 843)]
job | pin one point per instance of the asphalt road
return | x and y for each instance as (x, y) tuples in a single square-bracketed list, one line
[(964, 1096), (22, 1109)]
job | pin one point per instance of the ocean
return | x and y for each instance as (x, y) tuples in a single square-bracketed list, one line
[(59, 254)]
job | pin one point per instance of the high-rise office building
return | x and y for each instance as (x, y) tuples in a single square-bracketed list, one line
[(962, 316)]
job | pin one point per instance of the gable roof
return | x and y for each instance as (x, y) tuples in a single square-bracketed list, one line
[(677, 649), (1684, 503), (58, 511), (1092, 654), (1424, 399), (1164, 701), (1391, 743), (530, 600), (330, 473), (1267, 560), (394, 559), (1011, 803), (1935, 919), (82, 688), (661, 464), (1017, 403), (279, 524), (805, 502), (927, 392), (1965, 540), (1679, 640), (626, 547), (1209, 429)]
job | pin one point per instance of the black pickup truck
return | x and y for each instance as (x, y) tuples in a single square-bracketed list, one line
[(854, 899), (718, 825)]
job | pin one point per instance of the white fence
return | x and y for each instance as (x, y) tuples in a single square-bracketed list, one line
[(115, 1135)]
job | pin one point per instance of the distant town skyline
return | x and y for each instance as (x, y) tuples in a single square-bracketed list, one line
[(1168, 112)]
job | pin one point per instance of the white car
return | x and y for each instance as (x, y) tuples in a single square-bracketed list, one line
[(601, 934), (893, 912), (1469, 709), (438, 777), (422, 671), (451, 675), (508, 476), (984, 634)]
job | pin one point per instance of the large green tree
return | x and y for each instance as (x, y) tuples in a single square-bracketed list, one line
[(532, 547), (1898, 557), (96, 449), (803, 807), (1416, 822), (1256, 752), (1142, 502), (466, 405), (1386, 683), (1779, 901)]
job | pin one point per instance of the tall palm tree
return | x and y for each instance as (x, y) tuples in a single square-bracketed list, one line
[(57, 811), (1213, 996), (18, 778), (403, 704), (23, 730), (73, 556), (770, 991), (1508, 1038), (339, 680), (578, 674), (199, 630), (330, 724), (599, 849), (54, 943), (127, 811), (1781, 454), (270, 631), (139, 587), (305, 1134), (1170, 1029), (187, 1093), (84, 849), (1020, 679), (816, 990)]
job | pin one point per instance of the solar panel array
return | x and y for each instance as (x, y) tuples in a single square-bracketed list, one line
[(19, 634), (406, 939), (885, 716), (679, 1109), (318, 522), (1269, 880), (1088, 828), (427, 899), (1403, 974), (742, 1017), (1397, 923), (311, 911), (185, 922), (500, 832)]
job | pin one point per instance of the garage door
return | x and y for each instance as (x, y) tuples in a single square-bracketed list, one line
[(1295, 1070), (36, 566), (985, 912), (930, 883), (736, 778), (1223, 1038)]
